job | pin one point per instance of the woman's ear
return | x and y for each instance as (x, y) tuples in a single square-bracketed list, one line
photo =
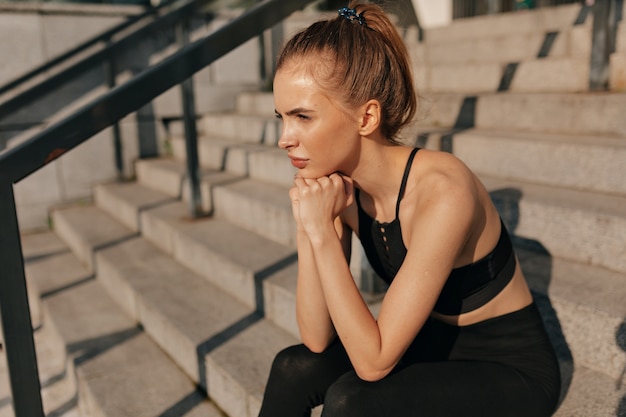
[(370, 117)]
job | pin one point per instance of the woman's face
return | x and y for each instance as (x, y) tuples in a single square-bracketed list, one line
[(320, 135)]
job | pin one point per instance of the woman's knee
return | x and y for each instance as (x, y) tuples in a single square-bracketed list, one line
[(298, 359), (294, 360), (291, 388), (351, 397)]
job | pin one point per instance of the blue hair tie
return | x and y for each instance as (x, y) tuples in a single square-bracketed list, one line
[(352, 15)]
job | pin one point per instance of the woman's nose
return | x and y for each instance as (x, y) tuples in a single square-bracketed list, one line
[(286, 140)]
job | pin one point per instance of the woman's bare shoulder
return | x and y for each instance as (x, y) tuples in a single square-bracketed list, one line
[(441, 176)]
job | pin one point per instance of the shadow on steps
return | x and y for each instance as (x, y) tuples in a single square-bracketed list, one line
[(538, 271)]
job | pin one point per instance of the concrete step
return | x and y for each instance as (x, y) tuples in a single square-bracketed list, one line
[(238, 261), (258, 272), (548, 112), (589, 113), (272, 166), (540, 20), (582, 307), (256, 102), (566, 113), (96, 233), (247, 128), (220, 343), (223, 345), (583, 225), (473, 77), (572, 41), (546, 212), (165, 175), (165, 180), (587, 326), (125, 201), (258, 206), (259, 203), (551, 75), (558, 75), (266, 163), (239, 273), (235, 259), (116, 364), (591, 393), (279, 295), (583, 162), (575, 225), (218, 153)]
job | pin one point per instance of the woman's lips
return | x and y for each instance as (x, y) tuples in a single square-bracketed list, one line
[(299, 162)]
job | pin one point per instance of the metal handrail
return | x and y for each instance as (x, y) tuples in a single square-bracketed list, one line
[(60, 59), (179, 11), (24, 159), (44, 147)]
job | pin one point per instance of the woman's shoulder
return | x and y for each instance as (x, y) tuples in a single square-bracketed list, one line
[(442, 175), (445, 194), (434, 158)]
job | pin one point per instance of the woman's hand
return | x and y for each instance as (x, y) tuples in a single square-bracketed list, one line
[(317, 202), (295, 206)]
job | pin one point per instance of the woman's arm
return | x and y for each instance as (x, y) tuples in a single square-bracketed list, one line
[(314, 322), (439, 227)]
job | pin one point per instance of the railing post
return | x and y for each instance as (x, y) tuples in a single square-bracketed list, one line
[(191, 134), (16, 322), (265, 63), (493, 6), (602, 42), (110, 72)]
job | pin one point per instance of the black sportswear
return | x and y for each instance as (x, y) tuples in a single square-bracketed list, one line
[(467, 287)]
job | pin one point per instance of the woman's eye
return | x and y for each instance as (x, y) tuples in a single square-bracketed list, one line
[(303, 117), (278, 116)]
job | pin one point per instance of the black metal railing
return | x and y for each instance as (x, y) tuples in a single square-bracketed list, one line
[(36, 99), (104, 37), (176, 11), (46, 146)]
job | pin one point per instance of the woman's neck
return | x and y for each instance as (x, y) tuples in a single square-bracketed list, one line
[(380, 169), (379, 178)]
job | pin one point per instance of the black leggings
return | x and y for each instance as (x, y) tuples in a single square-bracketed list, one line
[(504, 366)]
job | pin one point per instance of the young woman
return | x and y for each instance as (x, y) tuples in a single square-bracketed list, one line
[(458, 333)]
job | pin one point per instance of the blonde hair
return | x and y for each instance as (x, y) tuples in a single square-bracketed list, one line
[(363, 61)]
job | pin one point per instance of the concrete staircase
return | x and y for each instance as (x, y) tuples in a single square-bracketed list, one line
[(152, 304)]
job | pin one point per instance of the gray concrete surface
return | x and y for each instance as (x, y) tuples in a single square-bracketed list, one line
[(194, 284), (112, 363)]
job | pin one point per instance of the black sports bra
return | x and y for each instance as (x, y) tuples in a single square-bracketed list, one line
[(467, 287)]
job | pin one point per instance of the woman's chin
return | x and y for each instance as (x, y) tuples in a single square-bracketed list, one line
[(311, 174)]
